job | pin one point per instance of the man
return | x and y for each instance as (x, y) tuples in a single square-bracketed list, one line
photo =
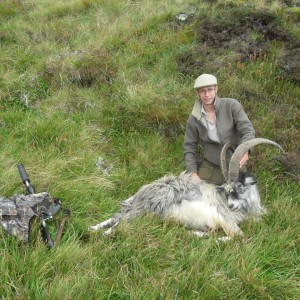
[(213, 122)]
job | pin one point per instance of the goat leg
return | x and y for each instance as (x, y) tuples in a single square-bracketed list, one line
[(230, 228), (112, 222)]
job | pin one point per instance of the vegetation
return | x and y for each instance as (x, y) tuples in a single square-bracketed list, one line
[(94, 96)]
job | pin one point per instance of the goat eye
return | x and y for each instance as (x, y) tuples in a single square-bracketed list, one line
[(241, 189)]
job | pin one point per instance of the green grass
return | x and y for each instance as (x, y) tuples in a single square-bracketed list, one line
[(85, 79)]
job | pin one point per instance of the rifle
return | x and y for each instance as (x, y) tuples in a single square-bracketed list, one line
[(53, 209)]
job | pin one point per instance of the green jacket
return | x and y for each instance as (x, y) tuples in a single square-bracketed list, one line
[(232, 125)]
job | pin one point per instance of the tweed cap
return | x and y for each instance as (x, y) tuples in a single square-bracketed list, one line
[(205, 80)]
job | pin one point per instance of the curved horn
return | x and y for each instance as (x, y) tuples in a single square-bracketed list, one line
[(234, 164), (223, 159)]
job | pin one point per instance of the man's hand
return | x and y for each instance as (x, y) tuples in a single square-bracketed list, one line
[(244, 159), (195, 177)]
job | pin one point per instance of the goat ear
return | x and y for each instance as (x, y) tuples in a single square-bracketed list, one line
[(222, 190)]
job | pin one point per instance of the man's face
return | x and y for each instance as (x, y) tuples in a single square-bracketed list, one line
[(207, 94)]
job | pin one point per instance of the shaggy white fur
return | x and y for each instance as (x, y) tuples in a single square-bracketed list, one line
[(200, 206)]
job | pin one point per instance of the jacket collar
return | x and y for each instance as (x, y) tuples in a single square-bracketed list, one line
[(197, 109)]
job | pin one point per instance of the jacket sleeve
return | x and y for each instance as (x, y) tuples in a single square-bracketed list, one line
[(190, 146), (243, 125)]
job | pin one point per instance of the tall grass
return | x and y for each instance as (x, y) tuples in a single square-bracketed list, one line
[(85, 80)]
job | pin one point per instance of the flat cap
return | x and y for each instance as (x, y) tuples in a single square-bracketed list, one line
[(205, 80)]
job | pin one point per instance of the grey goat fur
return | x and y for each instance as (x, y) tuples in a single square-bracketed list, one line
[(197, 205), (200, 206)]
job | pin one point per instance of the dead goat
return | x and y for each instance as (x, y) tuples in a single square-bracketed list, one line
[(200, 206)]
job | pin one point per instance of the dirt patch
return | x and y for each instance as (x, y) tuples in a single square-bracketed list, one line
[(251, 30), (238, 35)]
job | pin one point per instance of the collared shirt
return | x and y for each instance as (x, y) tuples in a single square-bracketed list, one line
[(211, 128)]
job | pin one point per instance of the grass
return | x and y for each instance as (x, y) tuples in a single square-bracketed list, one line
[(89, 79)]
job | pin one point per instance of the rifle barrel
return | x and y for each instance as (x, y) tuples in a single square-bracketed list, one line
[(25, 179)]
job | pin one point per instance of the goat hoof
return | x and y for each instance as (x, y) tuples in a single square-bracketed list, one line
[(199, 234), (93, 228), (108, 232), (223, 239)]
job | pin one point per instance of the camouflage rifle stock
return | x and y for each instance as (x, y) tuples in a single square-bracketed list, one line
[(53, 209)]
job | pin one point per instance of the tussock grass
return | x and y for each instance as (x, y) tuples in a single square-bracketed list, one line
[(84, 81)]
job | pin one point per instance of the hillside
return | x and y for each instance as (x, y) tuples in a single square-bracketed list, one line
[(94, 98)]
